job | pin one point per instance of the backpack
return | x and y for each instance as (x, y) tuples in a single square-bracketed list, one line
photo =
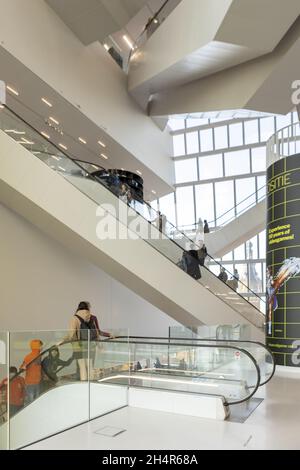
[(85, 327)]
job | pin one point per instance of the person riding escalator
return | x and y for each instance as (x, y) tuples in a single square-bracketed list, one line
[(190, 263), (50, 366)]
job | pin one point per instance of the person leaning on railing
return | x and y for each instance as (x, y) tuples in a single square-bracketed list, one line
[(84, 334)]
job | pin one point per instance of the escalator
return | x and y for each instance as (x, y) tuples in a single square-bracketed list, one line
[(62, 197), (199, 371)]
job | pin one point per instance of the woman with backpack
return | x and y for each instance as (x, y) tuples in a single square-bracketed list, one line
[(83, 327)]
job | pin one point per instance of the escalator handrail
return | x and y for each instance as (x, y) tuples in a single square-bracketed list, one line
[(75, 161), (250, 291), (224, 341), (123, 341)]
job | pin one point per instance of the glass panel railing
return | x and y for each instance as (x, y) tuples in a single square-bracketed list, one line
[(51, 404), (284, 143), (151, 226), (108, 359), (64, 380), (4, 391), (208, 369), (55, 385), (227, 335)]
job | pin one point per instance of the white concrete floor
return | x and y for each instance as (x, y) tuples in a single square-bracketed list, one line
[(274, 424)]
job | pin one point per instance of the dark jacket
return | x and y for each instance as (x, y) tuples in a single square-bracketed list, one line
[(206, 228), (223, 276), (50, 365), (202, 253), (190, 263)]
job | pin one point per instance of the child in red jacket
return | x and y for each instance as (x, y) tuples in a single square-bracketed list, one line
[(16, 391)]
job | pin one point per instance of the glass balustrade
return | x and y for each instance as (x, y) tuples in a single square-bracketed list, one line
[(284, 143), (189, 366), (61, 381), (234, 335), (55, 384)]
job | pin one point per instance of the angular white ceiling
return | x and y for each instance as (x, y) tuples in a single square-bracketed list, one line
[(203, 38), (94, 20)]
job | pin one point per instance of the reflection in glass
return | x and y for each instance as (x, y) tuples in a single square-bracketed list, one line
[(255, 277)]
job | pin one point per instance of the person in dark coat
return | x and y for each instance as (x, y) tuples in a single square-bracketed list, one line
[(206, 227), (193, 263), (202, 254), (223, 276), (50, 365)]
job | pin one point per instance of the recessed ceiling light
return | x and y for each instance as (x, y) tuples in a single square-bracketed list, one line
[(153, 192), (25, 141), (56, 158), (104, 156), (61, 168), (54, 120), (45, 135), (13, 131), (106, 47), (82, 140), (63, 146), (101, 143), (155, 20), (95, 166), (1, 106), (46, 102), (128, 42), (138, 172), (12, 90), (123, 169)]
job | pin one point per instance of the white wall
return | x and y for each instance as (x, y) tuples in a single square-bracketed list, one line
[(85, 76), (41, 283)]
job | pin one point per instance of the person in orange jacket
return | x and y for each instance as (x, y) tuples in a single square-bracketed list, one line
[(16, 391), (33, 371)]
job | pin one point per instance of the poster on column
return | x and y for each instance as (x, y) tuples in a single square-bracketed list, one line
[(283, 261)]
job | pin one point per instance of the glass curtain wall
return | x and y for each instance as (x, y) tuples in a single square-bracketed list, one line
[(220, 167), (219, 164)]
